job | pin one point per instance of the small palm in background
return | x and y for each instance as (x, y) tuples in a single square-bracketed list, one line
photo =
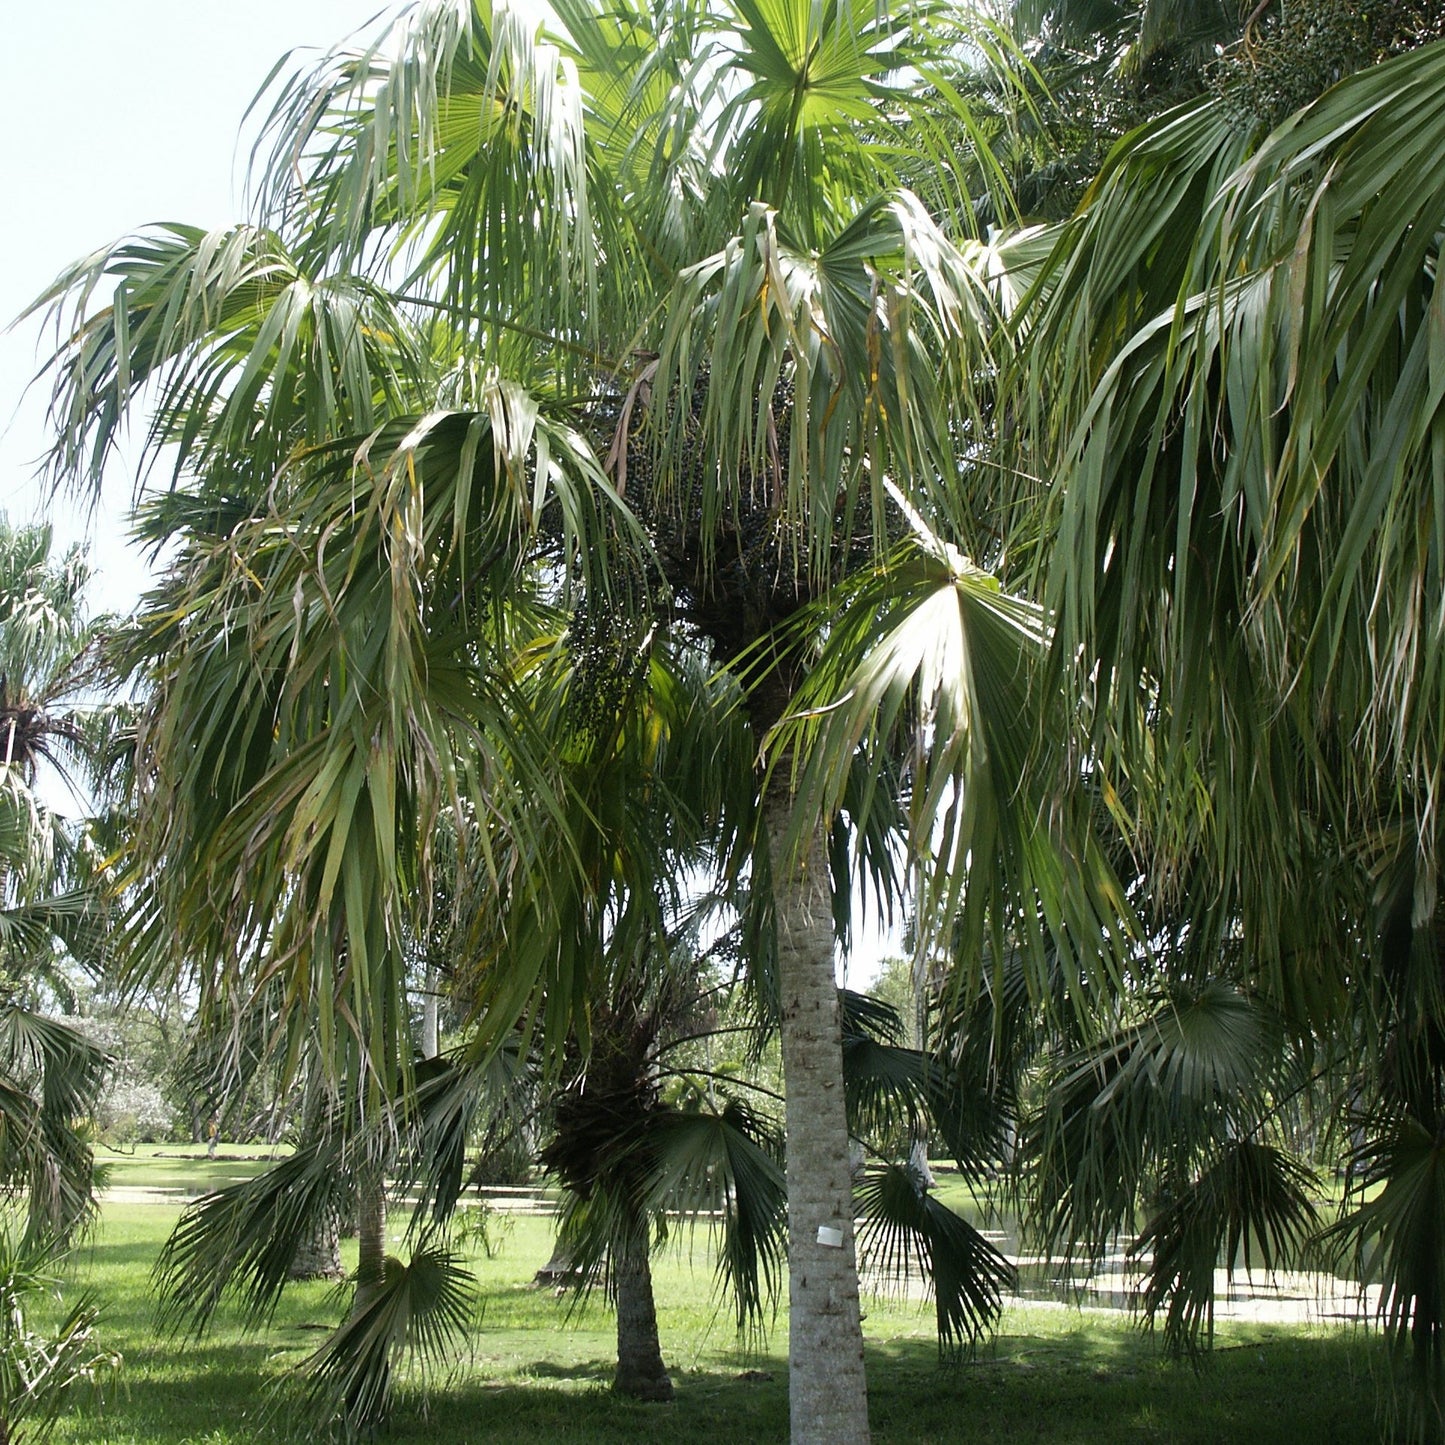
[(50, 913)]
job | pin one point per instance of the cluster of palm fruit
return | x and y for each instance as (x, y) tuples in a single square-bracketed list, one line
[(727, 558), (607, 663), (730, 559)]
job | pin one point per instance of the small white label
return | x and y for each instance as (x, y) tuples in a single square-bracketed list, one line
[(833, 1238)]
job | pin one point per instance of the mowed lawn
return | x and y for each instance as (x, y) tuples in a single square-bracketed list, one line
[(537, 1366)]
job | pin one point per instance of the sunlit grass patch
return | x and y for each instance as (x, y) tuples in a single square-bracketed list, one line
[(538, 1365)]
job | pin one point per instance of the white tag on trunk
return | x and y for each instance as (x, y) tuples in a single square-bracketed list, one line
[(833, 1238)]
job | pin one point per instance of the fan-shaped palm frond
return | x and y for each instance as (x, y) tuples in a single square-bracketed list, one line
[(888, 1086), (657, 811), (419, 1308), (1146, 1102), (75, 918), (928, 656), (240, 1241), (392, 699), (1246, 378), (50, 1078), (456, 120), (456, 1097), (871, 334), (724, 1165), (1251, 1198), (249, 354), (906, 1230), (982, 1047), (49, 675), (1393, 1239)]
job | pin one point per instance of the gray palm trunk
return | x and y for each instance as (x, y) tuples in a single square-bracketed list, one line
[(828, 1395), (559, 1270), (318, 1256), (430, 1008), (370, 1235), (641, 1373), (918, 1039)]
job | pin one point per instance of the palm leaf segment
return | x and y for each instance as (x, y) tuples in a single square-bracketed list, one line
[(1264, 398), (1247, 396), (897, 1094), (246, 352)]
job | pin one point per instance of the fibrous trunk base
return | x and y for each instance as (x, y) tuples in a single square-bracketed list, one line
[(319, 1255), (641, 1374)]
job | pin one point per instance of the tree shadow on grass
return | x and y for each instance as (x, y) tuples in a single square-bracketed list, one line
[(708, 1406), (1098, 1385), (237, 1392), (139, 1256), (580, 1370)]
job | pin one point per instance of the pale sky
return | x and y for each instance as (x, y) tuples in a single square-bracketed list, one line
[(118, 113)]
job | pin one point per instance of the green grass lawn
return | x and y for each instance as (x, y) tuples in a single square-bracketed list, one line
[(538, 1370)]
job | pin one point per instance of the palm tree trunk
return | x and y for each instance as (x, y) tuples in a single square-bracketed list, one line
[(828, 1394), (641, 1373), (370, 1234), (429, 1014), (318, 1256), (918, 1039), (558, 1270)]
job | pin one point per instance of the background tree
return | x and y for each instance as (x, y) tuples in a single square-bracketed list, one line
[(51, 891), (51, 901)]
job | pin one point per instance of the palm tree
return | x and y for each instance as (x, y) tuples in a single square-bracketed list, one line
[(50, 1073), (51, 906), (51, 894), (629, 1159), (1220, 446), (47, 651), (658, 772), (818, 333), (1243, 399)]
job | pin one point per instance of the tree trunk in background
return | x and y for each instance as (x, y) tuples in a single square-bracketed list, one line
[(370, 1234), (828, 1393), (430, 1009), (641, 1373), (558, 1271), (918, 1039), (319, 1255)]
